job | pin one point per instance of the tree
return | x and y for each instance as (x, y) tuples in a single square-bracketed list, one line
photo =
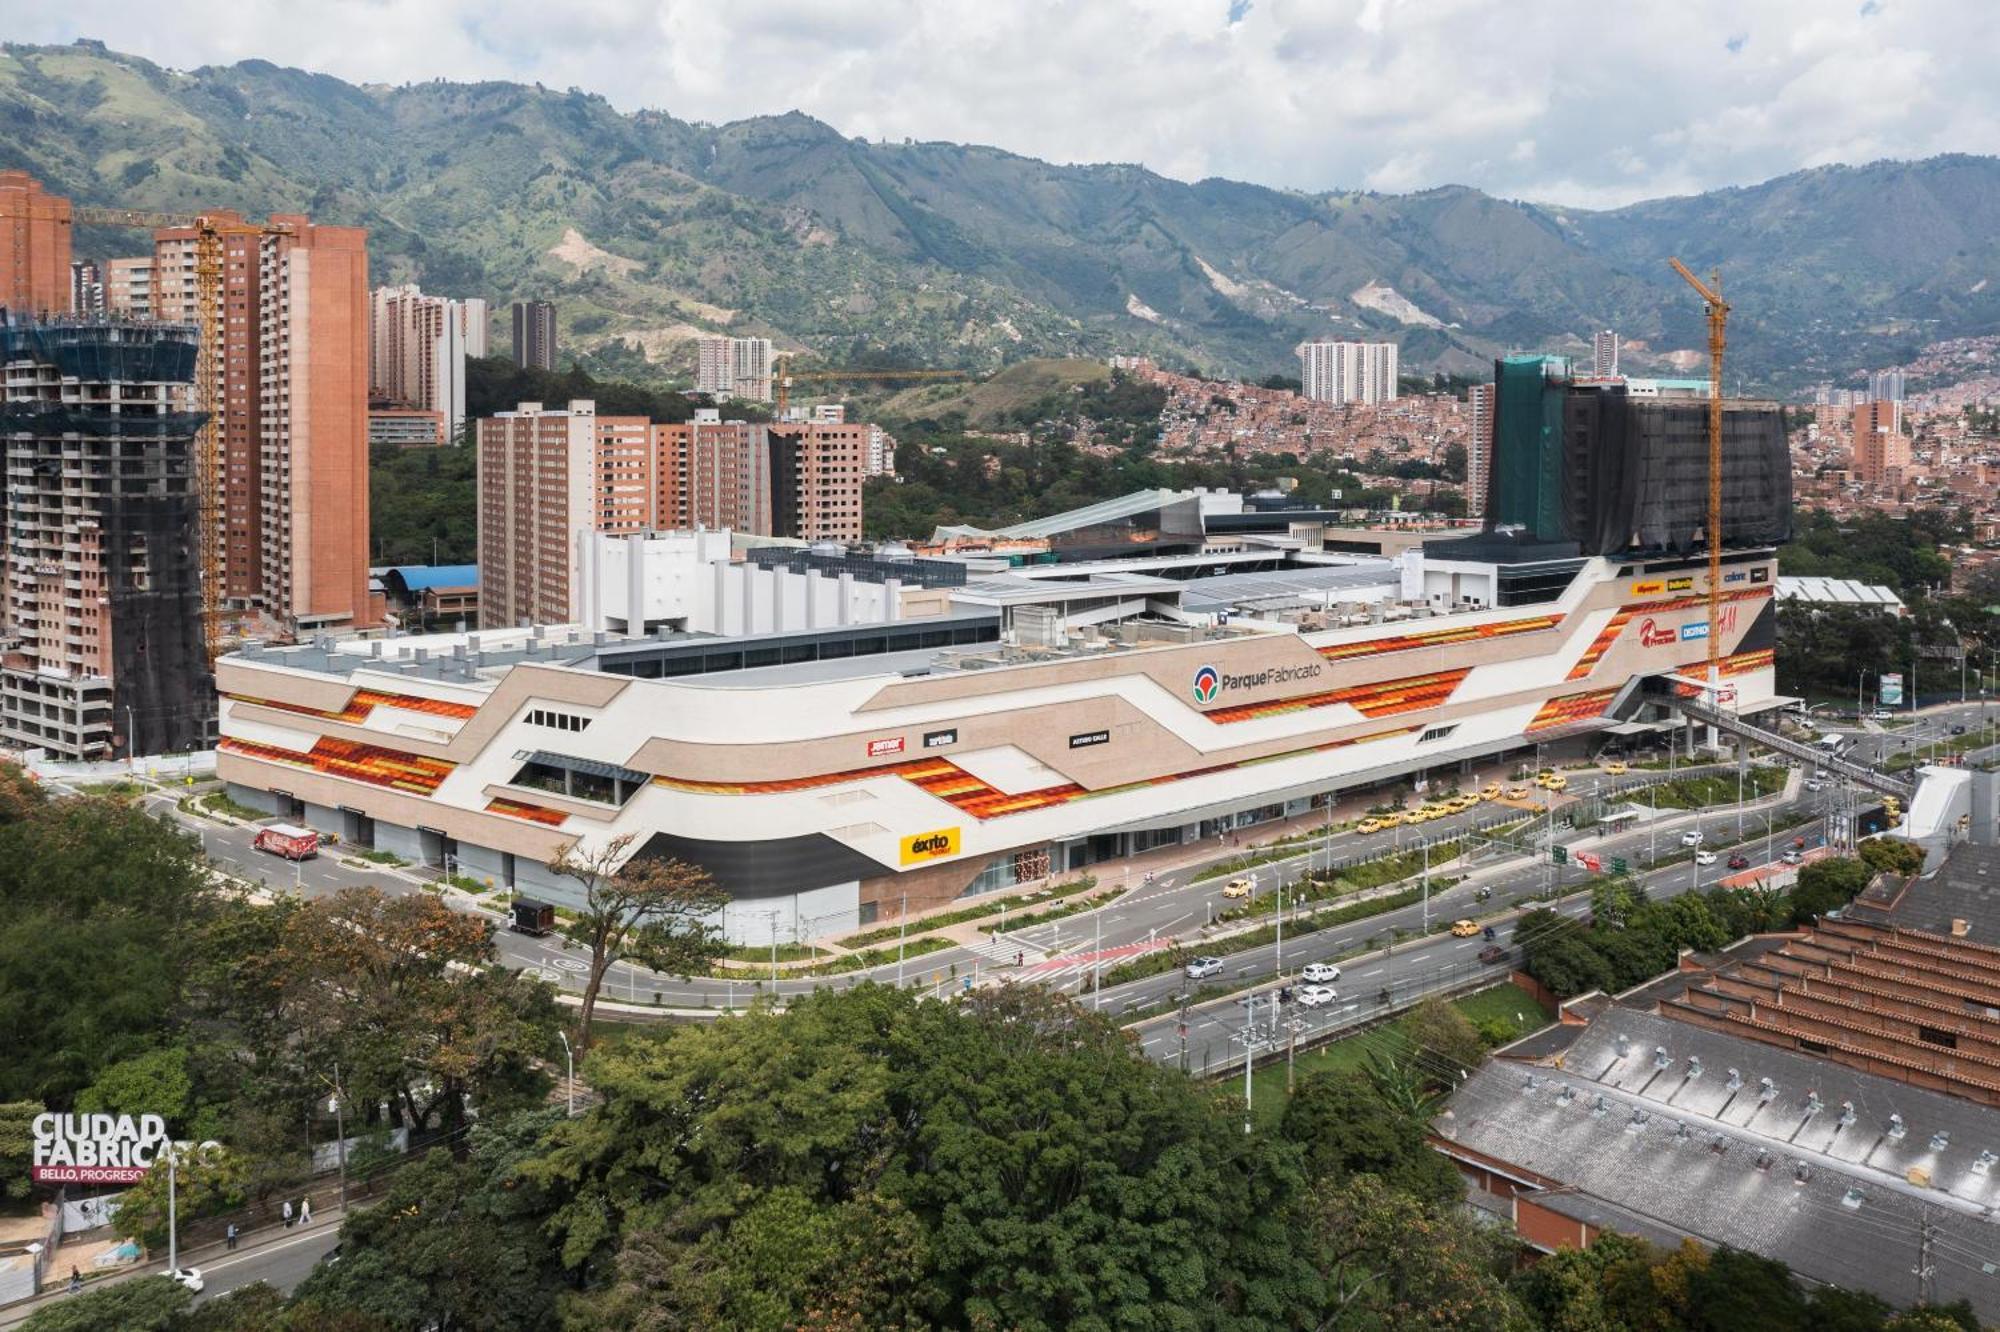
[(1444, 1040), (1827, 885), (454, 1243), (1345, 1126), (1385, 1260), (17, 1147), (141, 1304), (206, 1182), (651, 910), (1893, 855)]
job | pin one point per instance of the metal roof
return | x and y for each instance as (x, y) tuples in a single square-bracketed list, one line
[(1104, 511), (1676, 1126), (424, 577), (1837, 591), (1311, 583)]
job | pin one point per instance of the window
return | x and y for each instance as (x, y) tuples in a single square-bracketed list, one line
[(1436, 733), (561, 721)]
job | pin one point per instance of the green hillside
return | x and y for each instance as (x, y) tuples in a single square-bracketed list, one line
[(646, 230), (985, 403)]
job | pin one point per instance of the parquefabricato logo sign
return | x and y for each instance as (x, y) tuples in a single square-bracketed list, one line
[(1207, 684), (95, 1149)]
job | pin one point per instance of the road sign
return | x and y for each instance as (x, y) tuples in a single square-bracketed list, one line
[(1619, 865), (1559, 855)]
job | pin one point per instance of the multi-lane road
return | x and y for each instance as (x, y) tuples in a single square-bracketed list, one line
[(1066, 954)]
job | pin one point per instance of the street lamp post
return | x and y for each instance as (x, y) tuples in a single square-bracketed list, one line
[(901, 936), (1281, 923), (173, 1231), (336, 1104), (569, 1082), (1294, 1025)]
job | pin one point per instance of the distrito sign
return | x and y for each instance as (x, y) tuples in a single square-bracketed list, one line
[(95, 1149)]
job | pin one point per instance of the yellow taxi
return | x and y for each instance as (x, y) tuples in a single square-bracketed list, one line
[(1557, 783), (1464, 929), (1236, 888), (1370, 824), (1615, 769), (1466, 801), (1491, 791), (1517, 793), (1393, 819), (1545, 776)]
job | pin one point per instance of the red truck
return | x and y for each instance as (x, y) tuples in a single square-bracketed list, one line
[(288, 840)]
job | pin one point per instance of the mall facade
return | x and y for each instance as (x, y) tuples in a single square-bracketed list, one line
[(1031, 723)]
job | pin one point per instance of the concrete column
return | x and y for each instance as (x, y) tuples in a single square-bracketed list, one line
[(812, 587), (720, 609), (845, 591), (749, 599), (635, 584), (892, 601)]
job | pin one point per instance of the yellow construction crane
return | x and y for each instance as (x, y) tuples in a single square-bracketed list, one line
[(208, 323), (1717, 311), (782, 374)]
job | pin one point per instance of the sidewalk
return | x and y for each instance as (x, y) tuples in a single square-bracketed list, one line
[(202, 1255)]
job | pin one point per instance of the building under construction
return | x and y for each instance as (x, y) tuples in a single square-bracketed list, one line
[(1620, 466), (103, 653)]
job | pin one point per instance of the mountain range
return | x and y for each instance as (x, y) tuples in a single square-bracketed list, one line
[(646, 230)]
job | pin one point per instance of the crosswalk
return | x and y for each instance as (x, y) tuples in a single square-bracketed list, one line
[(1055, 970), (1002, 952)]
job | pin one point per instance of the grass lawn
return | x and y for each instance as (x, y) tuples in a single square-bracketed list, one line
[(1503, 1003)]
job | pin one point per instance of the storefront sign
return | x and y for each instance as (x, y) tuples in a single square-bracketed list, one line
[(1735, 576), (1649, 588), (1680, 585), (1699, 629), (878, 748), (1089, 738), (1209, 682), (1652, 634), (1761, 574), (95, 1149), (939, 739), (933, 845)]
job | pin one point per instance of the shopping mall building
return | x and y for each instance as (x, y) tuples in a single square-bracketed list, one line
[(1196, 664)]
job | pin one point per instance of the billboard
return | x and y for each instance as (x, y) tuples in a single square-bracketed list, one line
[(95, 1149), (1892, 690)]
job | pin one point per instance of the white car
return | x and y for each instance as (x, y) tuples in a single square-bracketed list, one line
[(1316, 996), (1704, 857), (1815, 784), (1319, 973), (1201, 968), (1692, 837), (189, 1277), (1880, 714)]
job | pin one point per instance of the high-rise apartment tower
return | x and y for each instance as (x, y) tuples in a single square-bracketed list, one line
[(1349, 371), (534, 335)]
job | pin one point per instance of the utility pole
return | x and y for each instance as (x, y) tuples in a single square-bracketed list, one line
[(569, 1060), (1294, 1025), (1097, 965), (1252, 1043), (1184, 1030)]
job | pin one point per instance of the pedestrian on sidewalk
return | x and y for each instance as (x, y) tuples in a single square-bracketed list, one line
[(305, 1211), (229, 1236), (75, 1282), (288, 1214)]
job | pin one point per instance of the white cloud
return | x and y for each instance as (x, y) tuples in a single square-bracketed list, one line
[(1571, 101)]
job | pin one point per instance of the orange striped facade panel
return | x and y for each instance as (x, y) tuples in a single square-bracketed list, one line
[(1572, 708), (364, 702), (1439, 637), (359, 763), (1616, 625), (1740, 664), (980, 799), (521, 809), (1386, 698)]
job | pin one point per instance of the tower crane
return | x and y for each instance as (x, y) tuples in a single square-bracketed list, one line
[(208, 324), (1717, 311), (784, 377)]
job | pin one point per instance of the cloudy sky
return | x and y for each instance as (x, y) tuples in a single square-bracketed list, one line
[(1587, 102)]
